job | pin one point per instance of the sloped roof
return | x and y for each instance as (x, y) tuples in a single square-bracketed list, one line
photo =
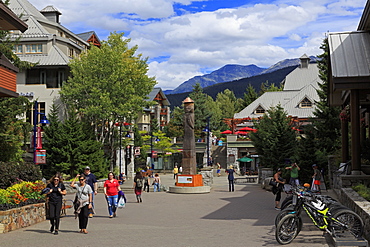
[(9, 20), (151, 96), (54, 57), (305, 86), (25, 9), (300, 77), (87, 35), (51, 9), (349, 55)]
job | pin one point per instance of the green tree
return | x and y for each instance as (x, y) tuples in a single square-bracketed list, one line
[(72, 146), (164, 144), (108, 85), (275, 139), (327, 122), (175, 127), (226, 103), (201, 112), (13, 130), (215, 121), (250, 95)]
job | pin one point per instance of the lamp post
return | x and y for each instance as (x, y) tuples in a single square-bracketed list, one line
[(120, 146), (207, 129), (37, 143)]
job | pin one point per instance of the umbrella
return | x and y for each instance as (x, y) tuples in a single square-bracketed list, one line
[(241, 133), (248, 129), (227, 132), (244, 159)]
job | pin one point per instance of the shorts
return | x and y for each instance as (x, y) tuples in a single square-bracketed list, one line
[(317, 182)]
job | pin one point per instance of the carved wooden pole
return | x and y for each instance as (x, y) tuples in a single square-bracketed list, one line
[(188, 155)]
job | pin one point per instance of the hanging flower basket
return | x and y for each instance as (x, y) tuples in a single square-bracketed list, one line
[(344, 115)]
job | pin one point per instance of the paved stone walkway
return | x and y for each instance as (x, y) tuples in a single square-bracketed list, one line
[(220, 218)]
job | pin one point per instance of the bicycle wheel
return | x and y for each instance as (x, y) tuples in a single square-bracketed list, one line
[(282, 213), (351, 220), (288, 201), (287, 229)]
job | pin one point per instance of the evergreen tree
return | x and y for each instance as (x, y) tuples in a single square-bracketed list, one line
[(13, 130), (250, 96), (275, 139), (327, 122), (201, 112), (175, 128), (72, 146)]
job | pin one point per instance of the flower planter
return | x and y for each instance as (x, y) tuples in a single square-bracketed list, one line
[(16, 218)]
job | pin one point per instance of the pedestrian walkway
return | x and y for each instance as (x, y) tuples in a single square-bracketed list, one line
[(219, 218)]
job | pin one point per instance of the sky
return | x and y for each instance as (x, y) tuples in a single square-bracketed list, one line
[(187, 38)]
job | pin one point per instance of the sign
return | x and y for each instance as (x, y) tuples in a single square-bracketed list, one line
[(154, 154), (168, 153), (137, 151), (184, 179), (40, 156)]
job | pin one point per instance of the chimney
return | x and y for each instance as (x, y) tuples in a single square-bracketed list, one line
[(305, 60), (51, 13)]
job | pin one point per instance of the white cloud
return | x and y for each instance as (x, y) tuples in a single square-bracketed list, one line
[(182, 46)]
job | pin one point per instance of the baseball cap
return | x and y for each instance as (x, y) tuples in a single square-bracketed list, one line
[(87, 168), (314, 165)]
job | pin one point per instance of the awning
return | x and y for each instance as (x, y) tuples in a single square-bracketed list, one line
[(244, 159)]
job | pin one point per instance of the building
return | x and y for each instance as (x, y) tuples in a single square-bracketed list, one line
[(50, 46), (159, 111), (298, 99), (8, 72), (349, 87)]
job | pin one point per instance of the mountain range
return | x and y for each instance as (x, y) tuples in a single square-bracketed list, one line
[(232, 72)]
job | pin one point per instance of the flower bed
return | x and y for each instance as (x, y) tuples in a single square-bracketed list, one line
[(21, 205)]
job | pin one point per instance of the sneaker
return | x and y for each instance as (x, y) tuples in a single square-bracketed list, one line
[(56, 232), (276, 208), (91, 215)]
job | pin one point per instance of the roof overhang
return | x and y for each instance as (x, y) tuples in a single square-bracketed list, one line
[(349, 64), (9, 20), (365, 18)]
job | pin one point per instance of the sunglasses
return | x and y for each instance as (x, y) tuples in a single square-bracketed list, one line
[(81, 179), (56, 179)]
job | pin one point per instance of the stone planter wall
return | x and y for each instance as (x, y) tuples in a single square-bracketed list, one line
[(16, 218), (351, 199)]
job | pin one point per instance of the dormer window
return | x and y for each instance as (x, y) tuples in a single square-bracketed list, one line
[(259, 110), (305, 103)]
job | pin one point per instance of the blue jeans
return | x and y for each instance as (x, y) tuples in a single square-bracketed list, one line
[(112, 204), (156, 187)]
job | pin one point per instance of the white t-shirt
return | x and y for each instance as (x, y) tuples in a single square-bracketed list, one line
[(83, 192)]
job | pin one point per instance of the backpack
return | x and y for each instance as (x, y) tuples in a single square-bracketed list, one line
[(139, 183)]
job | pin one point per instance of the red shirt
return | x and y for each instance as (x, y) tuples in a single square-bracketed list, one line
[(112, 187)]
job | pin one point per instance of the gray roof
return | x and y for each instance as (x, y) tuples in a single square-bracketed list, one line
[(154, 93), (51, 9), (25, 9), (301, 83), (87, 35), (300, 77), (349, 54), (54, 57)]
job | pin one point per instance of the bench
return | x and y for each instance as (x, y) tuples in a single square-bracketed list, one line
[(246, 179), (65, 206)]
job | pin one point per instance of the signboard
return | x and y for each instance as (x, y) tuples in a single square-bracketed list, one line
[(137, 151), (185, 179), (40, 157)]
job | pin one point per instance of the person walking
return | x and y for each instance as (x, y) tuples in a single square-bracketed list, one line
[(83, 201), (294, 168), (146, 182), (316, 179), (91, 180), (156, 183), (175, 171), (218, 169), (111, 189), (276, 190), (230, 177), (55, 197), (138, 186)]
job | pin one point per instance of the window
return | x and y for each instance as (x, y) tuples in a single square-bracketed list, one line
[(259, 110), (70, 51), (34, 48), (306, 103), (18, 49)]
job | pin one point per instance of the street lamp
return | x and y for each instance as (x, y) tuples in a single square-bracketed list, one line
[(120, 145), (151, 149), (207, 129), (38, 154)]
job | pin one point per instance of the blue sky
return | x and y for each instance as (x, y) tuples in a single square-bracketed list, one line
[(185, 38)]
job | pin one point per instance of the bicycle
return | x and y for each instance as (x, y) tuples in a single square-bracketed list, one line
[(326, 215)]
